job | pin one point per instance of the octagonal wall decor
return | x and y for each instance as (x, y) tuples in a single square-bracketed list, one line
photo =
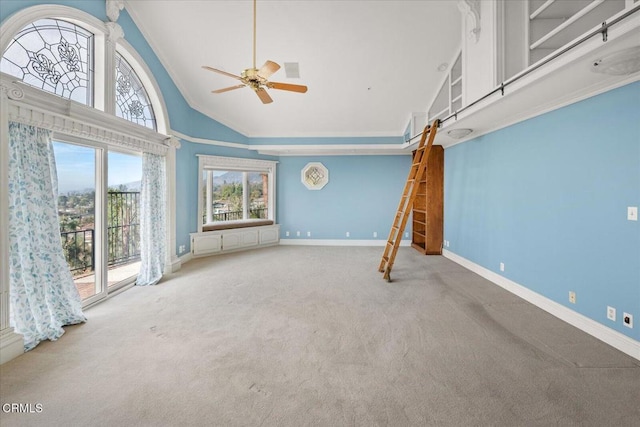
[(315, 176)]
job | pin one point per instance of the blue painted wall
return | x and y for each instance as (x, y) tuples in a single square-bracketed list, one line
[(548, 197), (361, 197)]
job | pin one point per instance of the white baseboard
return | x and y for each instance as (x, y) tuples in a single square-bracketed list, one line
[(11, 346), (613, 338), (185, 258), (338, 242)]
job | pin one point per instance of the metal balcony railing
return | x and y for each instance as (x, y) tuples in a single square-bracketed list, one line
[(260, 213), (123, 235)]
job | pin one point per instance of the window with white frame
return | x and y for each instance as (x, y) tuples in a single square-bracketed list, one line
[(62, 51), (235, 190), (53, 55), (132, 100)]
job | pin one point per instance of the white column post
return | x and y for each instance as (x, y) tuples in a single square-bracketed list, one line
[(245, 195), (11, 344), (209, 190), (115, 34)]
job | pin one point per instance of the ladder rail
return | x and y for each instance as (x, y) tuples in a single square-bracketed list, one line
[(418, 168)]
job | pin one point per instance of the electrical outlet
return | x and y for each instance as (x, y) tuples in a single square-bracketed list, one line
[(632, 213), (308, 234), (375, 234), (347, 234), (297, 233), (611, 313), (406, 234), (572, 297), (502, 266), (627, 320), (286, 233)]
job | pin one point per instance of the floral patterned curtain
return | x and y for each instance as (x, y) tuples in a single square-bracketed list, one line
[(152, 219), (43, 295)]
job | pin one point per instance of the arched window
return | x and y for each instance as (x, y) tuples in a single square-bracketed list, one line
[(53, 55), (76, 57), (132, 100)]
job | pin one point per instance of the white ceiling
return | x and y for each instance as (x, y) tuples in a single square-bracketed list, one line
[(368, 64)]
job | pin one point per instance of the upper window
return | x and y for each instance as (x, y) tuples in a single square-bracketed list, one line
[(53, 55), (68, 55), (132, 100)]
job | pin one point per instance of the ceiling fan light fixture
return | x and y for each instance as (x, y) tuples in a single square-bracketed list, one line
[(258, 79), (459, 133)]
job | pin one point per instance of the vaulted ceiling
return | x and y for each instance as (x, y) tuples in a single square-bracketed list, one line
[(368, 64)]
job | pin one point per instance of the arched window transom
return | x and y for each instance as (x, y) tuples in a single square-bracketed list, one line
[(132, 100), (53, 55)]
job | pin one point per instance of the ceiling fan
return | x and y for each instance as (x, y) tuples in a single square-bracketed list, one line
[(255, 78)]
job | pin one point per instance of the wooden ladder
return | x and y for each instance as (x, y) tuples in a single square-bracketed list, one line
[(418, 167)]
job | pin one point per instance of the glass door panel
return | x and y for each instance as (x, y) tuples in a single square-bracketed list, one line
[(123, 218), (76, 172)]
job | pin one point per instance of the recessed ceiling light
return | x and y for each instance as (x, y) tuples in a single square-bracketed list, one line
[(621, 63)]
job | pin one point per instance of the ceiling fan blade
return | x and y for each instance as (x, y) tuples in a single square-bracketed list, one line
[(215, 70), (268, 69), (263, 95), (287, 86), (227, 89)]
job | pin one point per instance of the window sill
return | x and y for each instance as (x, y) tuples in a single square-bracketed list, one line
[(230, 225)]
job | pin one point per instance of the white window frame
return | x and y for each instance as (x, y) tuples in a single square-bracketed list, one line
[(94, 125), (207, 162)]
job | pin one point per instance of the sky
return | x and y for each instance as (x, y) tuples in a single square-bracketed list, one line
[(76, 167)]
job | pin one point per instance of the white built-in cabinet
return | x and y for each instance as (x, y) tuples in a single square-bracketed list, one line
[(235, 239)]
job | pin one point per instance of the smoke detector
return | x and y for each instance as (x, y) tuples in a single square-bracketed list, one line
[(621, 63)]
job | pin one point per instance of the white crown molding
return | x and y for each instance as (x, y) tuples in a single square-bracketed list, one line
[(236, 163), (613, 338), (36, 107), (307, 150), (196, 140), (166, 63)]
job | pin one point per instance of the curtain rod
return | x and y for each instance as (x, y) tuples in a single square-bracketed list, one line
[(602, 30)]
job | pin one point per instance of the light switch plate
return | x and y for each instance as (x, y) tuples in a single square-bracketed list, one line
[(632, 213)]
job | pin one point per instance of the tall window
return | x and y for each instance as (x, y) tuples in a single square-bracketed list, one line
[(132, 101), (53, 55), (99, 178)]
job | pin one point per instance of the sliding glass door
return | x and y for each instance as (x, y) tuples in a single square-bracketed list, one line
[(98, 208), (123, 218), (79, 196)]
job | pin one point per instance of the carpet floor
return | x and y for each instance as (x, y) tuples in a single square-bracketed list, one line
[(297, 336)]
